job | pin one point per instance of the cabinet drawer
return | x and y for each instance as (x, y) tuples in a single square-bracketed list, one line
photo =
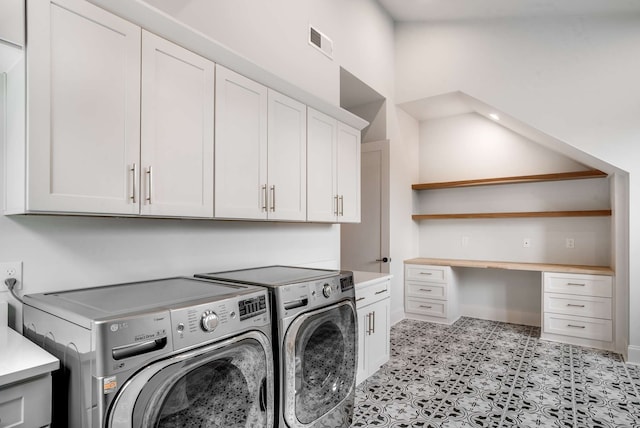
[(586, 328), (26, 404), (585, 306), (426, 290), (584, 285), (372, 293), (433, 308), (425, 273)]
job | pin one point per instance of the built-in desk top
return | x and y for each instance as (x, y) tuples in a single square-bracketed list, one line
[(535, 267)]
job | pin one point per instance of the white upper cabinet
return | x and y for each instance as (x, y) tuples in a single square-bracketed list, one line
[(83, 86), (12, 21), (333, 170), (177, 130), (240, 147), (287, 158), (260, 154), (322, 194), (348, 174)]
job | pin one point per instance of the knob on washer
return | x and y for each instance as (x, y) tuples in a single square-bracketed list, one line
[(209, 321), (326, 290)]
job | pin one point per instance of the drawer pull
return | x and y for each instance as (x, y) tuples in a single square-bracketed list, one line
[(381, 291), (575, 326), (577, 284), (575, 306), (426, 289), (426, 273), (359, 298), (426, 307)]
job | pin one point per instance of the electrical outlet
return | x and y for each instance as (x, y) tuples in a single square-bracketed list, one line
[(526, 242), (10, 270), (570, 243)]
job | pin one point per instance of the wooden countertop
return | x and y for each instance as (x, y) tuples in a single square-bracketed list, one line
[(535, 267)]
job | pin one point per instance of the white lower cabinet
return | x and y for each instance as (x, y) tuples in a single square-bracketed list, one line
[(578, 309), (374, 324), (430, 293), (26, 404)]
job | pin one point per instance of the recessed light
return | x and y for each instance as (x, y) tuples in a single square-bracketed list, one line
[(494, 116)]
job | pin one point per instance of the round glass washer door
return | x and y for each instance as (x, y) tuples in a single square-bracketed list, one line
[(228, 384), (320, 372)]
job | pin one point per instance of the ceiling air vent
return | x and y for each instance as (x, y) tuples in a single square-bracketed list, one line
[(321, 42)]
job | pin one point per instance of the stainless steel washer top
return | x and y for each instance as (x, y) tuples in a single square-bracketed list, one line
[(271, 276), (85, 305)]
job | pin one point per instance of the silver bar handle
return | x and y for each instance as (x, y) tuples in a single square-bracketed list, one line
[(577, 284), (426, 307), (335, 203), (273, 198), (341, 199), (426, 273), (428, 290), (374, 322), (381, 291), (575, 326), (575, 306), (359, 299), (264, 197), (149, 184), (134, 175)]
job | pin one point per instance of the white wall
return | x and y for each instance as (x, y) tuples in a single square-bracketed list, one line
[(469, 146), (274, 35), (72, 252), (572, 77)]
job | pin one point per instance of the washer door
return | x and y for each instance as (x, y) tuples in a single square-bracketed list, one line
[(320, 367), (227, 384)]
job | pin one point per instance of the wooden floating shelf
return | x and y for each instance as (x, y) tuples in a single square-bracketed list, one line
[(591, 213), (594, 173)]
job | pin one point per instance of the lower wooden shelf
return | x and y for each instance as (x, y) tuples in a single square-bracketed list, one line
[(531, 214)]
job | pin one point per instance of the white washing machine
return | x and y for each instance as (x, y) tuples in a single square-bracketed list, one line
[(315, 342), (176, 352)]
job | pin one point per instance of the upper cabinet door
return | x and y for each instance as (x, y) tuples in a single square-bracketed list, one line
[(348, 174), (287, 158), (177, 130), (83, 86), (241, 189), (322, 196)]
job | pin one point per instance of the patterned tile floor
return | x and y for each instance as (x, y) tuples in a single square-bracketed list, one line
[(478, 373)]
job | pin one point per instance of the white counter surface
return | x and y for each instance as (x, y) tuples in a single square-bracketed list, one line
[(21, 359), (365, 278)]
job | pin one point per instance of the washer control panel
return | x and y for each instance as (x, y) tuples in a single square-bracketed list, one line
[(202, 323)]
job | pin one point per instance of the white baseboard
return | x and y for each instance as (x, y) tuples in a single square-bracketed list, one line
[(633, 355), (502, 315)]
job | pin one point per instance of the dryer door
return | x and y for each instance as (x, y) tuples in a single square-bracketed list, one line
[(227, 384), (320, 367)]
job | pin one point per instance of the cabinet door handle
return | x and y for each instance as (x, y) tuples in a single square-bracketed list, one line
[(426, 307), (381, 291), (134, 175), (426, 289), (575, 306), (149, 184), (577, 284), (374, 322), (335, 203), (575, 326), (359, 299), (264, 197), (426, 273), (384, 260), (273, 198), (341, 199)]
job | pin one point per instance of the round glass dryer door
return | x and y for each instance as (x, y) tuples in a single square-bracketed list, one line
[(223, 385), (320, 373)]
